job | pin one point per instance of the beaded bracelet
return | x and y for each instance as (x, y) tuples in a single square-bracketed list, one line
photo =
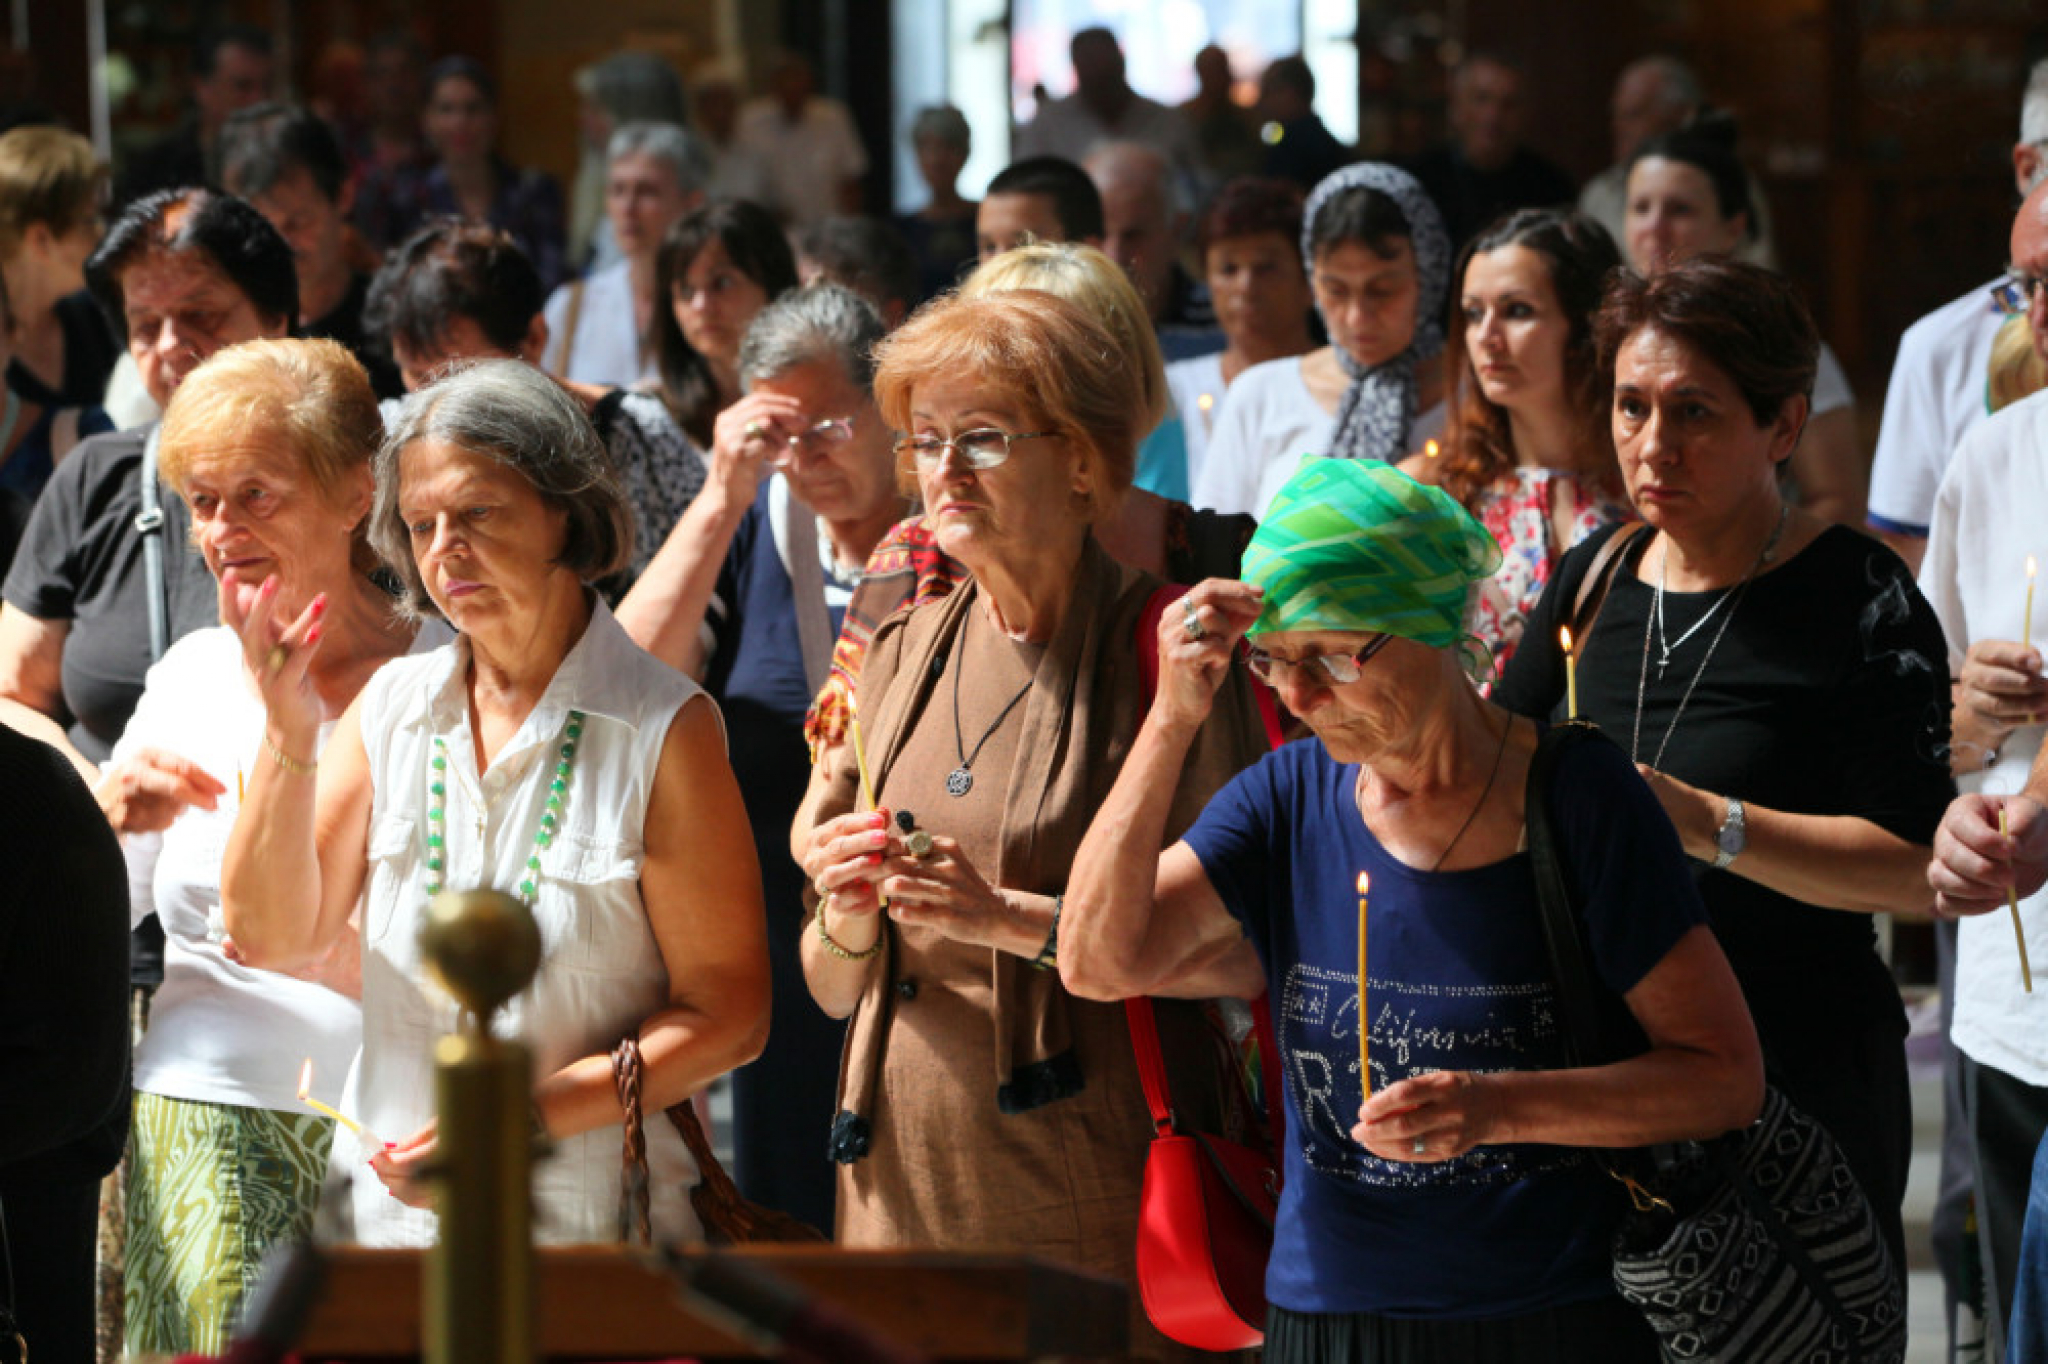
[(1048, 956), (836, 950), (287, 761)]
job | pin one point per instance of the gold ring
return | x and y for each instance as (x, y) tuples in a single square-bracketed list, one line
[(274, 660), (754, 430), (919, 842)]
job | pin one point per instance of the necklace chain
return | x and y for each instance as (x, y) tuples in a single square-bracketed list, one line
[(543, 834), (961, 779), (1734, 598), (1480, 804)]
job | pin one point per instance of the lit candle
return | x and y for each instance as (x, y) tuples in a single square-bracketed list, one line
[(1364, 1024), (2012, 894), (362, 1133), (239, 797), (1571, 674), (1430, 449), (2027, 621), (1206, 401)]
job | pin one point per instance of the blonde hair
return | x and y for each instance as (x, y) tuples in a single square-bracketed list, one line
[(48, 176), (1035, 351), (2016, 370), (311, 397), (1093, 282)]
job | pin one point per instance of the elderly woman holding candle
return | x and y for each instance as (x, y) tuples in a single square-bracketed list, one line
[(269, 445), (981, 1103), (1450, 1216), (1780, 682), (542, 753)]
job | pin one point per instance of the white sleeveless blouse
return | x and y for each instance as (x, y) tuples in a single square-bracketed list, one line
[(601, 971)]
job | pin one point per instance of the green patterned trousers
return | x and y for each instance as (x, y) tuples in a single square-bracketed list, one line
[(212, 1187)]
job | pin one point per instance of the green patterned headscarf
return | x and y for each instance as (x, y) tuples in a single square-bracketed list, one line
[(1354, 544)]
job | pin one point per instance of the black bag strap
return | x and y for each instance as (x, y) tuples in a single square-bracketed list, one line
[(1583, 1044), (1592, 593)]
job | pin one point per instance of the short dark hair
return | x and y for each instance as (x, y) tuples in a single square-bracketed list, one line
[(1248, 207), (1708, 146), (1751, 322), (1075, 200), (754, 243), (1291, 73), (228, 232), (206, 47), (265, 143), (452, 269), (463, 68), (866, 255), (1359, 214)]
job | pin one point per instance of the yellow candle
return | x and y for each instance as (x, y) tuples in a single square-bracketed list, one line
[(2027, 621), (2012, 896), (1364, 1023), (860, 761), (1571, 674), (239, 797), (306, 1098)]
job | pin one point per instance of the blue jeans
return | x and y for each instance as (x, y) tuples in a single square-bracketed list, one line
[(2027, 1336)]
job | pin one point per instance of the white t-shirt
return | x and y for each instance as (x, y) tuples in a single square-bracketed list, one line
[(601, 971), (1988, 517), (806, 159), (605, 348), (1938, 392), (1068, 128), (1267, 421), (1831, 390), (1197, 388), (220, 1032)]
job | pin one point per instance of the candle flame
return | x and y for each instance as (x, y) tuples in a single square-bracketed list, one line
[(1206, 401), (306, 1078), (2030, 567), (1363, 882), (1564, 637), (1430, 448)]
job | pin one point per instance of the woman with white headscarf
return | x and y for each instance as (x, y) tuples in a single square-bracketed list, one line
[(1379, 265)]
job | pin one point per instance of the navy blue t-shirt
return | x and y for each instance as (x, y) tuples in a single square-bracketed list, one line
[(1457, 979)]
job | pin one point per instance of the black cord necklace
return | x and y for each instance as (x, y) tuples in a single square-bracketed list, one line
[(961, 779)]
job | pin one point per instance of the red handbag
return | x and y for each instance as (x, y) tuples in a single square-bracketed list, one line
[(1205, 1219)]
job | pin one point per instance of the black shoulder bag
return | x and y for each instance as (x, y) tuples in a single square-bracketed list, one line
[(1756, 1246)]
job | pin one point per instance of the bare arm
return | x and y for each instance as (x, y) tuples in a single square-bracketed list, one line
[(1835, 861), (1834, 478), (1139, 922), (702, 889), (1701, 1076), (32, 682), (664, 613)]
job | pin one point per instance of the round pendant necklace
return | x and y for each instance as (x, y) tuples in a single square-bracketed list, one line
[(961, 779), (1734, 598), (543, 836)]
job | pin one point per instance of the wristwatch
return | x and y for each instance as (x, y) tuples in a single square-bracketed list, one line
[(1732, 837)]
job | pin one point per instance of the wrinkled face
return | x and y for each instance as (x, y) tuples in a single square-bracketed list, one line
[(839, 480), (180, 310), (241, 77), (1009, 220), (1515, 329), (643, 201), (257, 512), (484, 540), (1486, 113), (1258, 286), (1356, 719), (715, 302), (313, 225), (1691, 451), (1673, 215), (1010, 512), (1368, 302), (1138, 235), (460, 121)]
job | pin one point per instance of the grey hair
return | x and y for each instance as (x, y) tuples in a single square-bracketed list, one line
[(684, 154), (942, 123), (2034, 106), (1682, 89), (506, 410), (820, 322)]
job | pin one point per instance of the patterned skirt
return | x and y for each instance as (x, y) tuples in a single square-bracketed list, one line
[(212, 1187)]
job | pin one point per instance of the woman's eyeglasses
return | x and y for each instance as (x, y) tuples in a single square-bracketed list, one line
[(815, 439), (982, 448), (1330, 670)]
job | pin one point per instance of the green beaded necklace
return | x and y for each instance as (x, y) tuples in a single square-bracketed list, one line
[(550, 816)]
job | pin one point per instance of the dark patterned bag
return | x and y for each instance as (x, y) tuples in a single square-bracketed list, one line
[(1758, 1246)]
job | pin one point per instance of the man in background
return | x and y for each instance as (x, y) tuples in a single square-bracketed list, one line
[(231, 69), (1485, 169)]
